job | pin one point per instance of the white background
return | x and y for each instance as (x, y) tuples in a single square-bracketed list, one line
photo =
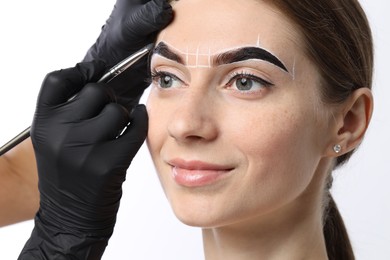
[(44, 35)]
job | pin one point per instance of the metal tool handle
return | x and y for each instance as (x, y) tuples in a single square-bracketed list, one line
[(15, 141)]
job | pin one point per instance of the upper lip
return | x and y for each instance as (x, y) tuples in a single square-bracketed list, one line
[(197, 165)]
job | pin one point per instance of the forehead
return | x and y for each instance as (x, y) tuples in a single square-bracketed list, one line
[(213, 26)]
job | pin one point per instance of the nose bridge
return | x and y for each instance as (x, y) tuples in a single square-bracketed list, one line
[(194, 102), (194, 116)]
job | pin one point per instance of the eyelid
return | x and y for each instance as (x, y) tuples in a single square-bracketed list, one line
[(259, 67), (159, 63), (255, 73), (160, 73), (249, 76)]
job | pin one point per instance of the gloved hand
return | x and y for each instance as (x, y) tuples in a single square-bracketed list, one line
[(81, 163), (132, 25)]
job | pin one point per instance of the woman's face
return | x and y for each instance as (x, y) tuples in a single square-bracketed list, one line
[(236, 126)]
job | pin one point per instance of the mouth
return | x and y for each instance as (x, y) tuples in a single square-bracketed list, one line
[(197, 173)]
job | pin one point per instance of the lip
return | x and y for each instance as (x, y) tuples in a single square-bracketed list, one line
[(197, 173)]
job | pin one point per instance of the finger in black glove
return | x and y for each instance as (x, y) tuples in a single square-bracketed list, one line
[(82, 163), (131, 25)]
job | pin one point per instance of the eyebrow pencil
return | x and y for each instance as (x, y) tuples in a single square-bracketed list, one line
[(107, 77)]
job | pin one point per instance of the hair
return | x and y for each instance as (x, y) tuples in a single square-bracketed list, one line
[(338, 40)]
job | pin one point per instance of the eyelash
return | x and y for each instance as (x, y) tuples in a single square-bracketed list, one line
[(157, 76), (246, 75)]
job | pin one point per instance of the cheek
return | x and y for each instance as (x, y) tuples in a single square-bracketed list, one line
[(157, 133), (160, 115), (157, 126), (267, 133), (278, 148), (274, 146)]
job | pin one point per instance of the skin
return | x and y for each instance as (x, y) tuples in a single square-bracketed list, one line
[(278, 142), (275, 142), (19, 195)]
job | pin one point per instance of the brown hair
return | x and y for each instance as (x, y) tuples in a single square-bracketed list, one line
[(338, 40)]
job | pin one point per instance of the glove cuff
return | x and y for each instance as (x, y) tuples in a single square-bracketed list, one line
[(58, 243)]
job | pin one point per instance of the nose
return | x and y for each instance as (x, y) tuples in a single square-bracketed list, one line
[(194, 118)]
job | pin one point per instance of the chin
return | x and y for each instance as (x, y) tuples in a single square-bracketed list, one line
[(196, 221), (197, 211)]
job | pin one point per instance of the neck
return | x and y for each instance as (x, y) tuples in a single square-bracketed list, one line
[(293, 232), (301, 241)]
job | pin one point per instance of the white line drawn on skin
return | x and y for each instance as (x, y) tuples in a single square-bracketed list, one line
[(197, 55)]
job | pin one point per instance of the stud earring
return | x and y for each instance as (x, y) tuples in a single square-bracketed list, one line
[(337, 148)]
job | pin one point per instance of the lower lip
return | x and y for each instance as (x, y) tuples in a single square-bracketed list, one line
[(197, 178)]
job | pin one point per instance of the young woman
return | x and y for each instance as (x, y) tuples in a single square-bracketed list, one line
[(252, 105)]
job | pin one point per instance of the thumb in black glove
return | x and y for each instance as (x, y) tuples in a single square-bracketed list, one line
[(131, 25), (82, 163)]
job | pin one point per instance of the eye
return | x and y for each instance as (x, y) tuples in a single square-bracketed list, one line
[(244, 82), (166, 80)]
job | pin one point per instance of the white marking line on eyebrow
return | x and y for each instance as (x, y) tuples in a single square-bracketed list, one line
[(187, 56), (293, 69), (198, 66), (209, 57), (197, 55), (292, 73)]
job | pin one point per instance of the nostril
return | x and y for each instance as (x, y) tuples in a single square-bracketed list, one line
[(191, 132), (193, 121), (194, 138)]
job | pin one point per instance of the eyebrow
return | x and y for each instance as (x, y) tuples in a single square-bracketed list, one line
[(247, 53), (236, 55), (163, 50)]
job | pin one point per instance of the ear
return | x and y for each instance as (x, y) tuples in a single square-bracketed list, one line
[(352, 120)]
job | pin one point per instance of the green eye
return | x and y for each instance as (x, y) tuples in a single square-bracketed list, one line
[(247, 83), (244, 84), (166, 80)]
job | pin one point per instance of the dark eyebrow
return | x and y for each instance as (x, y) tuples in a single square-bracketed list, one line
[(163, 50), (240, 54), (247, 53)]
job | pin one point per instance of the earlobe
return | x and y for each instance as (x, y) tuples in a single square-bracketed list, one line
[(352, 122), (337, 148)]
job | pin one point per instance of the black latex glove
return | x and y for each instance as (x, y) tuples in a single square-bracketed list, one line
[(81, 163), (132, 25)]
